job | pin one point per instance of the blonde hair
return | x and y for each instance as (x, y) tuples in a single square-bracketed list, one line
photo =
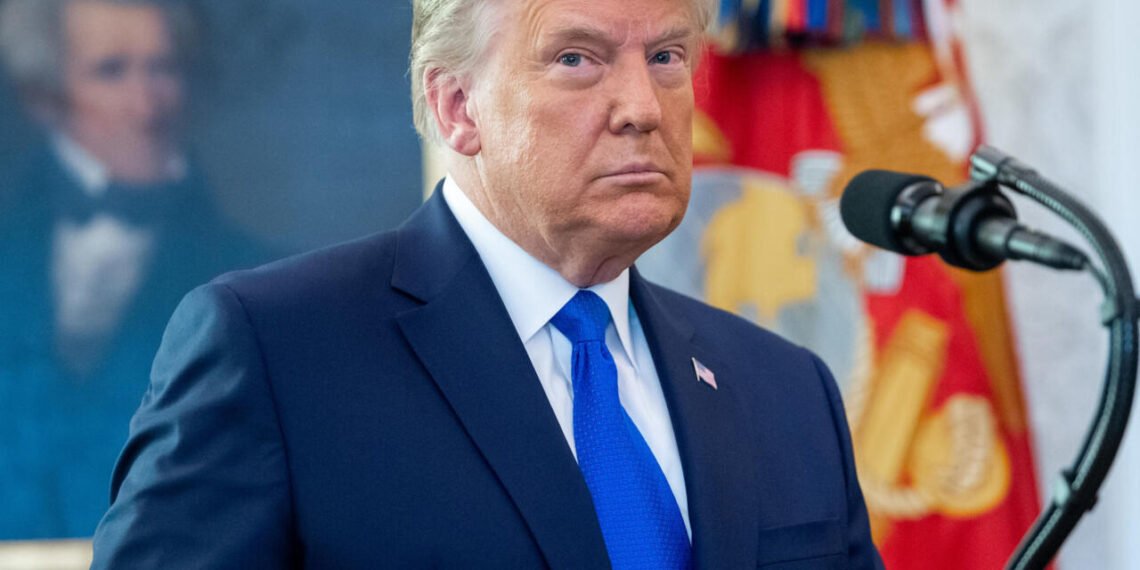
[(452, 36)]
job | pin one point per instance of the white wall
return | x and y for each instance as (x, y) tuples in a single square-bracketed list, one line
[(1058, 85)]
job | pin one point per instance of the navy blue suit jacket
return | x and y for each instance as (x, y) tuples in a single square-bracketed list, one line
[(371, 405)]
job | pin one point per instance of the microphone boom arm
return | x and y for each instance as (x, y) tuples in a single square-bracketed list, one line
[(1076, 491)]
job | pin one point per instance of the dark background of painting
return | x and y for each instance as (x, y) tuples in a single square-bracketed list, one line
[(299, 118)]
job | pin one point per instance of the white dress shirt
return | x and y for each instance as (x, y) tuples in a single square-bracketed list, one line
[(533, 293), (97, 266)]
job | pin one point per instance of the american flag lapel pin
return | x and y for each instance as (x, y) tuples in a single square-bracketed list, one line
[(704, 374)]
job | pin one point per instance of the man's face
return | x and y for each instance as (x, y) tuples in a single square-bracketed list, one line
[(584, 112), (123, 87)]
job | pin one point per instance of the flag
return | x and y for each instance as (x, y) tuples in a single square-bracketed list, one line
[(704, 374), (924, 353)]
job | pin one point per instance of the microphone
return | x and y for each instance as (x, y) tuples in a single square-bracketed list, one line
[(973, 226)]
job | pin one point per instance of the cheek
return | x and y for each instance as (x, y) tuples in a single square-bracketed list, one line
[(678, 109), (93, 103), (505, 126), (567, 136), (170, 101)]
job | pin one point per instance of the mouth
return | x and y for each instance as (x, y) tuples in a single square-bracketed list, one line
[(635, 175)]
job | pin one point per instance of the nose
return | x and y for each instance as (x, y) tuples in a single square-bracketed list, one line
[(636, 107)]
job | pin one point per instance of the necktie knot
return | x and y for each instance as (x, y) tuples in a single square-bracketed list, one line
[(584, 318)]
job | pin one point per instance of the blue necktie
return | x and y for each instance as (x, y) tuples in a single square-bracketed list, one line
[(640, 521)]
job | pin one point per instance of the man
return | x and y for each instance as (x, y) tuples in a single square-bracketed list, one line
[(492, 385), (100, 235)]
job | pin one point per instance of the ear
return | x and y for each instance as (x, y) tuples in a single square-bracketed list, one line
[(449, 102)]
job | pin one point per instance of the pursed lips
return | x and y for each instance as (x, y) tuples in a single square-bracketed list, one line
[(635, 173)]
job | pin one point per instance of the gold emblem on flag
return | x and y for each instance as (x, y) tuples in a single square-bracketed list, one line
[(753, 239), (913, 462)]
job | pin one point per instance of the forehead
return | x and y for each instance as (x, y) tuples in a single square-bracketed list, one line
[(95, 29), (617, 20)]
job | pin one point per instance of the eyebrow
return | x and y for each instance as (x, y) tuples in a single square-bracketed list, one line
[(593, 34), (578, 34), (673, 34)]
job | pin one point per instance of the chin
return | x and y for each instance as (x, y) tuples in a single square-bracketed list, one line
[(645, 221)]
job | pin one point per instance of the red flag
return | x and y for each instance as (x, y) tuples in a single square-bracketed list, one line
[(924, 353)]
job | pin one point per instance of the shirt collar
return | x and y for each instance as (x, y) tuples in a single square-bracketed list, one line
[(92, 174), (532, 292)]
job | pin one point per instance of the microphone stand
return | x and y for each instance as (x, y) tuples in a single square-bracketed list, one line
[(1075, 493)]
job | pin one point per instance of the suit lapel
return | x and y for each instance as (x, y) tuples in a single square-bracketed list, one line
[(712, 436), (464, 337)]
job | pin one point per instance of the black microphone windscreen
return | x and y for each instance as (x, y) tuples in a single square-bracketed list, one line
[(867, 202)]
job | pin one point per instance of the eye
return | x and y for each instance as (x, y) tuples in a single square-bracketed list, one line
[(663, 58), (570, 59), (111, 69)]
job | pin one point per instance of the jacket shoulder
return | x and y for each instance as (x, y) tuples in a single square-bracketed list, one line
[(343, 271)]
